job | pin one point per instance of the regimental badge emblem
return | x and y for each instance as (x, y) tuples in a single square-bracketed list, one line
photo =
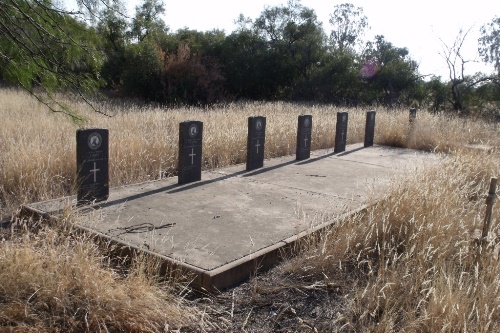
[(307, 122), (193, 130), (94, 141), (258, 125), (344, 118)]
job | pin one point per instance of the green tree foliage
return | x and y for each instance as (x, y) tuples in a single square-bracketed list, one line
[(337, 80), (143, 71), (389, 71), (112, 27), (282, 54), (489, 43), (147, 20), (296, 39), (44, 47), (249, 66), (349, 25)]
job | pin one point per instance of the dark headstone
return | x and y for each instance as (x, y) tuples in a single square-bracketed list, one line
[(304, 131), (190, 150), (413, 115), (341, 132), (92, 155), (497, 118), (370, 128), (255, 143)]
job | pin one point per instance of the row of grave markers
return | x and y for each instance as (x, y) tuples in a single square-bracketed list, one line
[(93, 151)]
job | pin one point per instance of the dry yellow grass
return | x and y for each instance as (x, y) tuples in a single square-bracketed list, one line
[(38, 147), (56, 281), (416, 265), (415, 256)]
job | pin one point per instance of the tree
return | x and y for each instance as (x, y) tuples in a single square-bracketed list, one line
[(337, 80), (143, 71), (189, 78), (296, 38), (489, 43), (147, 20), (42, 46), (349, 24), (248, 66), (112, 27), (459, 82), (388, 70)]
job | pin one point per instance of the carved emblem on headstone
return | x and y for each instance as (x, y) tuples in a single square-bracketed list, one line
[(258, 125), (193, 130), (94, 141), (307, 123), (344, 118)]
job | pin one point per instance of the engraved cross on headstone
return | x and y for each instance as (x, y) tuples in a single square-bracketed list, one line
[(192, 155), (94, 171), (257, 145)]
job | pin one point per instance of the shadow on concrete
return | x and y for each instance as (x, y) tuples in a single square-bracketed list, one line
[(350, 151), (133, 197), (205, 182), (312, 160), (266, 169), (174, 188)]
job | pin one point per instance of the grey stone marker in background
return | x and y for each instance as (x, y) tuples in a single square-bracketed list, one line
[(255, 142), (304, 130), (370, 128), (92, 163), (413, 115), (190, 150), (341, 132)]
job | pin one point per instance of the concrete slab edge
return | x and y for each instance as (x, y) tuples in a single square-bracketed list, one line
[(222, 277), (240, 270)]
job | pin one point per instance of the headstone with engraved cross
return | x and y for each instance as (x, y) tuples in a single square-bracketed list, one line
[(190, 150), (341, 132), (370, 128), (255, 142), (303, 150), (92, 155)]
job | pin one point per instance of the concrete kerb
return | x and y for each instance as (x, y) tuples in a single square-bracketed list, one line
[(123, 249), (240, 270), (220, 278)]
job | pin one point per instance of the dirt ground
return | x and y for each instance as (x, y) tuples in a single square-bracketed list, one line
[(277, 301)]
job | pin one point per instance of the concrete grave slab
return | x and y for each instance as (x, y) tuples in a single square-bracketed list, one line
[(232, 221)]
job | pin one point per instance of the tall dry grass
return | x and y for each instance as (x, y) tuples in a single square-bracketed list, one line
[(412, 256), (415, 256), (37, 160), (57, 281)]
